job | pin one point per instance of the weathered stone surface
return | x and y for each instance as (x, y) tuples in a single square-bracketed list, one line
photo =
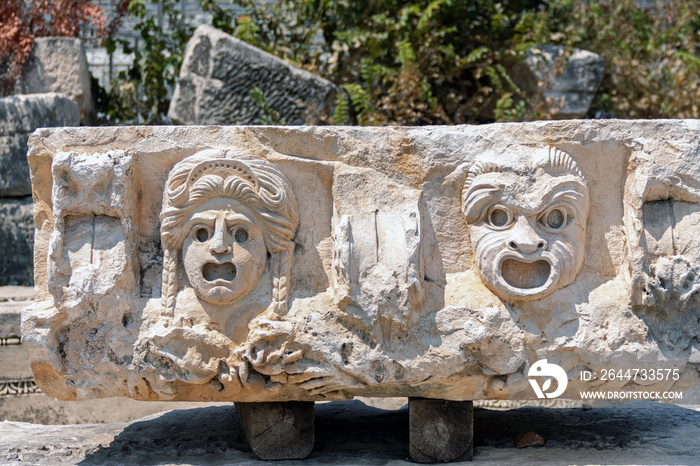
[(12, 300), (441, 431), (20, 403), (219, 72), (16, 241), (259, 264), (566, 81), (59, 64), (19, 116)]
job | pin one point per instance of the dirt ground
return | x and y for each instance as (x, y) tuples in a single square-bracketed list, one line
[(352, 432)]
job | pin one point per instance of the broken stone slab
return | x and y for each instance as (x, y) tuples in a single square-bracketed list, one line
[(12, 300), (565, 80), (59, 64), (16, 241), (275, 264), (19, 116), (219, 73)]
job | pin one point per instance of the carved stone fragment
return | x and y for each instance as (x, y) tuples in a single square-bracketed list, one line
[(59, 64), (566, 80), (16, 240), (279, 264), (219, 73), (19, 117)]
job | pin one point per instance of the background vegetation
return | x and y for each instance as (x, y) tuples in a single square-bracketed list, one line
[(425, 62)]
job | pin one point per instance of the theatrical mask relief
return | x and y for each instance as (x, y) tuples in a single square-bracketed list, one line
[(227, 224), (527, 225), (222, 218), (264, 264)]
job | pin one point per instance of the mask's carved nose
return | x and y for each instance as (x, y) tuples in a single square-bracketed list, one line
[(525, 239), (221, 241)]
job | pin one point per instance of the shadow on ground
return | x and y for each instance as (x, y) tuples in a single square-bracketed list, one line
[(352, 433)]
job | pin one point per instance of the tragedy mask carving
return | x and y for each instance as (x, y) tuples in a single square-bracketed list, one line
[(527, 224), (224, 216)]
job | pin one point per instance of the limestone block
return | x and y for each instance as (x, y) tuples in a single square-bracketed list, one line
[(19, 116), (219, 72), (566, 81), (276, 264), (59, 64), (12, 300), (16, 241)]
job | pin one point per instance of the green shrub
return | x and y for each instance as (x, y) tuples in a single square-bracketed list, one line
[(652, 55), (439, 61)]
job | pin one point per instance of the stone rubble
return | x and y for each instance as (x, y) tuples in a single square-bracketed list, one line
[(217, 77), (59, 64)]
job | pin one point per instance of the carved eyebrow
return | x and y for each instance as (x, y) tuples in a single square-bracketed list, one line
[(479, 198), (202, 217), (570, 192), (235, 216), (239, 219)]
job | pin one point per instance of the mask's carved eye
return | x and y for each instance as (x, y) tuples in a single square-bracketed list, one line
[(240, 235), (201, 234), (555, 219), (499, 216)]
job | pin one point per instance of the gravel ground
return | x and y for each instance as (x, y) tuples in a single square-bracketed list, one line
[(354, 433)]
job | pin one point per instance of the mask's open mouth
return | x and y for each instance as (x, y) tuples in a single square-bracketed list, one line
[(213, 271), (525, 275)]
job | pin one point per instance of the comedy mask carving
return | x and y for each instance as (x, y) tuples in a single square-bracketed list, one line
[(527, 224), (228, 214)]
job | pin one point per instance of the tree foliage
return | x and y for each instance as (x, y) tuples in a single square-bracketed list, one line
[(416, 62), (451, 61), (409, 62), (142, 94), (21, 21), (652, 55)]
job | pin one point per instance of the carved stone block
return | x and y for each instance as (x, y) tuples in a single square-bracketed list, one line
[(271, 264), (16, 241), (219, 73), (19, 117), (59, 64), (566, 80)]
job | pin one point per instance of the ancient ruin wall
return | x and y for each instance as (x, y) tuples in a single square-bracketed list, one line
[(313, 263)]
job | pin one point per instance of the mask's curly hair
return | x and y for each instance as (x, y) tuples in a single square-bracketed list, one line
[(557, 162), (253, 182)]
